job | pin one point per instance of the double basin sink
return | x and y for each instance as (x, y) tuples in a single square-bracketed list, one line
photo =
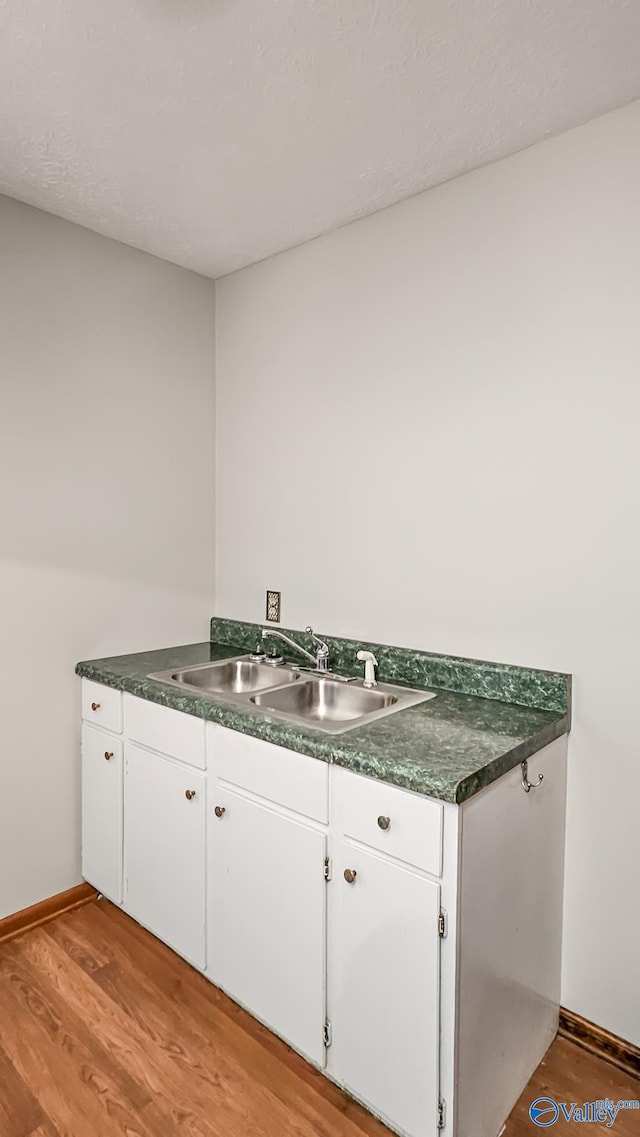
[(316, 700)]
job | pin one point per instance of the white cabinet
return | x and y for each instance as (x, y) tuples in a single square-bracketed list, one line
[(267, 916), (384, 987), (361, 973), (164, 850), (102, 811)]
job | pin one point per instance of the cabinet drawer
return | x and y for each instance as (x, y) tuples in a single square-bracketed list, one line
[(102, 706), (161, 728), (292, 780), (394, 821)]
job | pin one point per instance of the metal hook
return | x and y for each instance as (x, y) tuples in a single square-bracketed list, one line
[(526, 784)]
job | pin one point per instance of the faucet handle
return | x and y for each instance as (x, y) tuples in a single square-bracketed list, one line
[(324, 648)]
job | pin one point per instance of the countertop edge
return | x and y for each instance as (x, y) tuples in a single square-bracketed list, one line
[(467, 788), (321, 747)]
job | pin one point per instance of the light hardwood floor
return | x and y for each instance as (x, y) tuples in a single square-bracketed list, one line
[(104, 1032)]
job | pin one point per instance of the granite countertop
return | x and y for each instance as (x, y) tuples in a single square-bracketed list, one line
[(449, 747)]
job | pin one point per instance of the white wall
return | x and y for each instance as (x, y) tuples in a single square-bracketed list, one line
[(106, 504), (428, 435)]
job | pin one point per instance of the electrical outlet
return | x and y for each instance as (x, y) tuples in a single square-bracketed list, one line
[(273, 606)]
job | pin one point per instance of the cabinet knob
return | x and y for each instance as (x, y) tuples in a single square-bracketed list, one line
[(108, 755), (384, 822), (189, 794), (219, 811), (350, 876), (95, 706)]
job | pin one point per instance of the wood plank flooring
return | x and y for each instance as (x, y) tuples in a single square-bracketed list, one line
[(105, 1032), (570, 1074)]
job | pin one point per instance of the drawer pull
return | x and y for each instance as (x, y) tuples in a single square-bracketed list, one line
[(219, 811), (108, 755), (350, 876), (189, 794), (95, 706), (384, 822)]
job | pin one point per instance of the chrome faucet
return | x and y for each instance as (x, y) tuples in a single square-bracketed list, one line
[(320, 660)]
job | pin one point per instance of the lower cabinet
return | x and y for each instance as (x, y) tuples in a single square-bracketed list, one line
[(384, 987), (383, 935), (102, 811), (267, 929), (164, 849)]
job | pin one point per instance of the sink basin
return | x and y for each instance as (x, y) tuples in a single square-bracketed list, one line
[(334, 707), (325, 701), (231, 676)]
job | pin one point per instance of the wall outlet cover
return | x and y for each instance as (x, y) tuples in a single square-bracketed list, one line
[(273, 606)]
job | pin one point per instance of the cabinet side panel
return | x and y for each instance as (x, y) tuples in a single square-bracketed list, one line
[(449, 964), (510, 938)]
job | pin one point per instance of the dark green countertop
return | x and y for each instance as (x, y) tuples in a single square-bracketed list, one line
[(449, 747)]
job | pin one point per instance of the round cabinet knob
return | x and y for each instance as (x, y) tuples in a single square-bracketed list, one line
[(189, 794), (350, 876), (219, 811), (95, 706), (108, 755), (384, 822)]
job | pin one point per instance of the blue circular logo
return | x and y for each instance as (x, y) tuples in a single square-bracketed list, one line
[(544, 1112)]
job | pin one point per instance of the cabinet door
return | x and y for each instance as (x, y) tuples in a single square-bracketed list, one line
[(384, 988), (164, 850), (102, 812), (267, 917)]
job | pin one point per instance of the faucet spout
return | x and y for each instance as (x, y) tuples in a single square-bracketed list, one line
[(320, 660), (271, 633)]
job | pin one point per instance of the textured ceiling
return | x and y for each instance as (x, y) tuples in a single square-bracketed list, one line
[(216, 132)]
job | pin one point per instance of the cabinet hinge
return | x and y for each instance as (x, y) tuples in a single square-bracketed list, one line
[(326, 1034), (327, 868), (442, 1114), (442, 924)]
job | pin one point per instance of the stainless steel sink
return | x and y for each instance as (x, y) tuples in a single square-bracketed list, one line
[(335, 707), (313, 700), (235, 676), (324, 700)]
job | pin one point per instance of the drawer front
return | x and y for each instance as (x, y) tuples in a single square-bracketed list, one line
[(170, 732), (283, 777), (102, 706), (394, 821)]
